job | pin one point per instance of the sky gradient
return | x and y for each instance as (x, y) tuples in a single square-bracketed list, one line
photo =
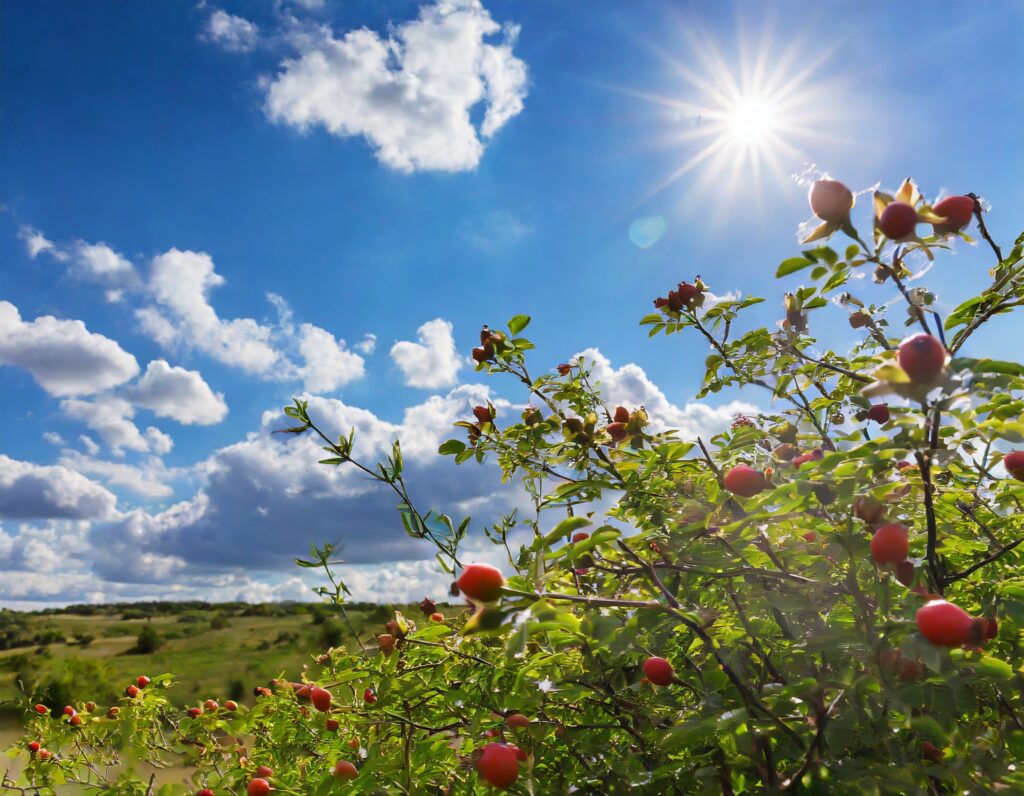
[(210, 209)]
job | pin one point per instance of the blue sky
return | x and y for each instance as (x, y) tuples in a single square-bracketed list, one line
[(211, 208)]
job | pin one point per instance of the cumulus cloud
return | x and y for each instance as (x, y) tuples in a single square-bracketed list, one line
[(111, 418), (30, 490), (179, 394), (328, 363), (368, 344), (409, 95), (180, 282), (233, 33), (629, 385), (433, 361), (148, 478), (99, 261), (63, 356), (265, 499)]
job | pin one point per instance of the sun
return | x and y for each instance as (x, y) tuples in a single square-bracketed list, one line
[(751, 121), (742, 116)]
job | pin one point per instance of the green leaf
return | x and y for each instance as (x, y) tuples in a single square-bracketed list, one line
[(451, 447), (792, 265), (517, 323)]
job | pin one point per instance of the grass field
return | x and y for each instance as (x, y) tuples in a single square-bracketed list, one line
[(213, 652)]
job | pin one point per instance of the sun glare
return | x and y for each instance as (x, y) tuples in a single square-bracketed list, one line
[(750, 120), (741, 118)]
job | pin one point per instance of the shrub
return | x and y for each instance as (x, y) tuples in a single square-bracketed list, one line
[(149, 640), (735, 568)]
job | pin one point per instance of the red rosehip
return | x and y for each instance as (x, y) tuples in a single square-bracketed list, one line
[(498, 765), (437, 617), (205, 792), (258, 787), (830, 200), (427, 605), (131, 691), (810, 536), (815, 455), (321, 699), (481, 582), (579, 536), (659, 671), (991, 628), (946, 625), (869, 509), (922, 357), (517, 721), (564, 369), (332, 725), (897, 221), (44, 754), (69, 711), (621, 414), (520, 754), (369, 697), (1014, 464), (34, 746), (265, 771), (75, 720), (344, 771), (113, 711), (40, 709), (231, 705), (211, 705), (744, 481), (90, 706), (890, 545), (932, 752), (957, 210), (879, 413), (617, 431), (482, 414), (858, 320), (687, 292), (674, 302), (353, 743), (785, 452), (142, 681)]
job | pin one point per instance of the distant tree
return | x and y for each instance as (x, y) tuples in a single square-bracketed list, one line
[(149, 640)]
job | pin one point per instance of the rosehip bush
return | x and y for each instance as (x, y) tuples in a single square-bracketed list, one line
[(823, 598)]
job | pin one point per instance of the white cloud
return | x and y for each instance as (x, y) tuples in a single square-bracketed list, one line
[(63, 356), (37, 243), (89, 444), (159, 442), (410, 94), (329, 364), (148, 478), (111, 417), (99, 261), (114, 296), (54, 438), (433, 361), (367, 345), (181, 281), (179, 394), (630, 386), (32, 490), (234, 34)]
